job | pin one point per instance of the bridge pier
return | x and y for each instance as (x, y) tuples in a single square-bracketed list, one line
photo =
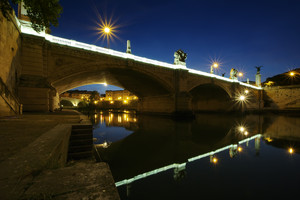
[(38, 99), (176, 105), (163, 104)]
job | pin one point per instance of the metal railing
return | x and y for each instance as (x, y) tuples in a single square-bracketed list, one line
[(12, 101)]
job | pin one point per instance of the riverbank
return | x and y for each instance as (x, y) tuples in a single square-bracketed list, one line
[(33, 149)]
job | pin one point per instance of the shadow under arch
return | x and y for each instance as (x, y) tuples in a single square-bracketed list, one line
[(139, 83), (210, 97)]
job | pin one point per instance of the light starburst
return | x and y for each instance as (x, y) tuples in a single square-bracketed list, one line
[(106, 29)]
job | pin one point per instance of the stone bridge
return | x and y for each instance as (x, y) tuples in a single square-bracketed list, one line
[(52, 65)]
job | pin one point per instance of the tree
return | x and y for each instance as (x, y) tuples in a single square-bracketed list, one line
[(42, 13), (94, 96)]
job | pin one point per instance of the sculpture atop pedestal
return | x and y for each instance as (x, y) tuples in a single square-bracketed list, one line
[(233, 74), (180, 57), (258, 76)]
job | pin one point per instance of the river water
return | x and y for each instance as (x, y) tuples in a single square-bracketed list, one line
[(210, 157)]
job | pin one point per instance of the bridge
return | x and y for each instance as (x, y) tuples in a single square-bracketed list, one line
[(52, 65), (73, 101)]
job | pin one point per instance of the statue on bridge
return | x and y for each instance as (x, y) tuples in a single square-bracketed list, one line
[(233, 74), (180, 57), (258, 76), (258, 69)]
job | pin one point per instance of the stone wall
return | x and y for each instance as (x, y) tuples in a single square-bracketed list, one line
[(10, 70), (282, 98)]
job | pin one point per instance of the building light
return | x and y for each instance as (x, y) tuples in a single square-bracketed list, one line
[(111, 102), (125, 101)]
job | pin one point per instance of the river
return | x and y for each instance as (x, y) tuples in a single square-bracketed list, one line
[(213, 156)]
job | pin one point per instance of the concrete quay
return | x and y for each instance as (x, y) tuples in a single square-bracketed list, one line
[(33, 160)]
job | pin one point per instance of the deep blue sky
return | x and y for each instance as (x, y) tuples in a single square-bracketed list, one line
[(241, 34)]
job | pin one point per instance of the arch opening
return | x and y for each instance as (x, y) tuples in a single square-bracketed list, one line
[(140, 84), (210, 97)]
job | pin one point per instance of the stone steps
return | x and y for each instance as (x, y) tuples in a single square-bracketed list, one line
[(81, 142)]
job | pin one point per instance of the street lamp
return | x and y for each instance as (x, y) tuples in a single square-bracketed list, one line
[(240, 74), (107, 32), (214, 65), (106, 29), (242, 98)]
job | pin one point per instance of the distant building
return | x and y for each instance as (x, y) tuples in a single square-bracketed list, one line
[(80, 94), (119, 95)]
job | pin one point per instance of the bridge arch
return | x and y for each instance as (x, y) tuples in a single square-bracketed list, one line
[(141, 83), (210, 97)]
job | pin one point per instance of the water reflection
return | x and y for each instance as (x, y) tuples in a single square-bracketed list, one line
[(115, 119), (158, 142), (149, 146), (112, 126), (179, 169)]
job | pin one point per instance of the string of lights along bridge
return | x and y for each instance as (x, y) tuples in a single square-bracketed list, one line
[(26, 28)]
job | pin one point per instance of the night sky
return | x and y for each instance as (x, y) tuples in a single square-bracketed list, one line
[(239, 34)]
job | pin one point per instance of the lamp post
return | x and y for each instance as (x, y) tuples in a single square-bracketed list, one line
[(214, 65), (107, 31), (240, 74)]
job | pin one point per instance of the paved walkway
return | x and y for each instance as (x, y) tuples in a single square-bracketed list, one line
[(27, 145), (19, 131)]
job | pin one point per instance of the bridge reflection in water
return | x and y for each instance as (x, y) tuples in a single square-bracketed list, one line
[(179, 168), (211, 151)]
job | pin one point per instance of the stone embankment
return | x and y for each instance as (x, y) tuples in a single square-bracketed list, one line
[(282, 98), (33, 161)]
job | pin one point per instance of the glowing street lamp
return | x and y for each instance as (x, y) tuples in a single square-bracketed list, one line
[(106, 29), (292, 74), (214, 65), (242, 98), (240, 74)]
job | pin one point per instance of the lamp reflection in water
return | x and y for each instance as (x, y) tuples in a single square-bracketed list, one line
[(213, 159), (291, 150), (242, 129), (103, 145), (234, 150)]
